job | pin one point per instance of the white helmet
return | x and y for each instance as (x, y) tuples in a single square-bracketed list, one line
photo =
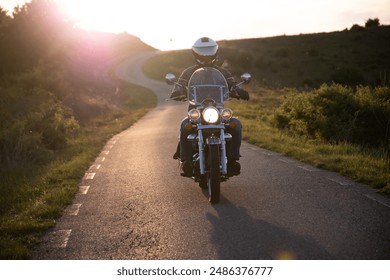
[(205, 51)]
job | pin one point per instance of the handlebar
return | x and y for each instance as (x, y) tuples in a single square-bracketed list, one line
[(178, 98)]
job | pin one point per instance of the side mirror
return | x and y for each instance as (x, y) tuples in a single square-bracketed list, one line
[(170, 79), (246, 78)]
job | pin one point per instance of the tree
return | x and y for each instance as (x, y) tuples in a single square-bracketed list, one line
[(372, 23), (3, 16)]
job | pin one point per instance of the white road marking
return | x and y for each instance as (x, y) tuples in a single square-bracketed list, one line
[(286, 160), (59, 238), (308, 168), (379, 200), (66, 238), (105, 152), (89, 176), (83, 189), (73, 210), (95, 166), (340, 182), (103, 159)]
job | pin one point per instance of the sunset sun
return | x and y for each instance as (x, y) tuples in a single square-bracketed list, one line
[(141, 19), (94, 15)]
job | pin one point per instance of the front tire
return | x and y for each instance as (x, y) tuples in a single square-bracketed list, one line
[(203, 183), (213, 174)]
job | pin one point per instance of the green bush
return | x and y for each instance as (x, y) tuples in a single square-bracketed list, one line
[(33, 122), (338, 113)]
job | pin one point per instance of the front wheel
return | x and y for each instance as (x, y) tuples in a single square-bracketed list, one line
[(213, 174)]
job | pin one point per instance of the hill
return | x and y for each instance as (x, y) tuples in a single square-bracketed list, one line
[(53, 79), (351, 57)]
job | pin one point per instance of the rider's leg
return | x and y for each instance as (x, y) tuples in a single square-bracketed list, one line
[(185, 145), (233, 147), (185, 149)]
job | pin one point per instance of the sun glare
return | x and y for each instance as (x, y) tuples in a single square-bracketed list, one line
[(139, 18), (94, 15)]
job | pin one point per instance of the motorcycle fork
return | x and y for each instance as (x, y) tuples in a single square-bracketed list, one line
[(212, 140)]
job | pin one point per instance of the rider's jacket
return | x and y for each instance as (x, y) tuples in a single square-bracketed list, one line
[(187, 73), (179, 90)]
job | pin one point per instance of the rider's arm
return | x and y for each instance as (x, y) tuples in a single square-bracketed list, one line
[(236, 92), (179, 91)]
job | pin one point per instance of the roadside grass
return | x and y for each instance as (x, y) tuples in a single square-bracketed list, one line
[(362, 164), (33, 197)]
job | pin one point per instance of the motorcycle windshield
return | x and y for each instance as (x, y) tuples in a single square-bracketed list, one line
[(207, 83)]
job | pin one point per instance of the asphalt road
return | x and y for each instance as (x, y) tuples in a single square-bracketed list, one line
[(133, 204)]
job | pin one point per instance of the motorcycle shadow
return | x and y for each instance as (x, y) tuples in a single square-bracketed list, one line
[(237, 235)]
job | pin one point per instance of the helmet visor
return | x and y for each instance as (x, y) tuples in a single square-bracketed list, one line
[(206, 51)]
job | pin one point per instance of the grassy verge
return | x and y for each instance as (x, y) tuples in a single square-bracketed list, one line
[(362, 164), (33, 197)]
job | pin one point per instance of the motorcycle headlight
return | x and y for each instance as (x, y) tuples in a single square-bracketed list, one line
[(210, 115), (194, 115), (226, 114)]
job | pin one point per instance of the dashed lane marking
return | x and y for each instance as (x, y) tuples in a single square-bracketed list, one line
[(83, 189), (268, 153), (89, 176), (341, 182), (73, 210), (95, 166), (308, 168), (59, 238), (379, 200), (105, 152), (286, 160)]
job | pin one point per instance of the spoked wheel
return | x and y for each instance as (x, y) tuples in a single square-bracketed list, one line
[(213, 174)]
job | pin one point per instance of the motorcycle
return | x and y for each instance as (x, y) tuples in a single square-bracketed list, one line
[(207, 92)]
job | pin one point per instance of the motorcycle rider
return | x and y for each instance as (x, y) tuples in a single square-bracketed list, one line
[(205, 51)]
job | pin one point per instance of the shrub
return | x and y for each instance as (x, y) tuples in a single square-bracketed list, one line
[(33, 122), (338, 113), (373, 120)]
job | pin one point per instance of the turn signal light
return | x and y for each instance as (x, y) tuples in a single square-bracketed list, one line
[(232, 125), (188, 126)]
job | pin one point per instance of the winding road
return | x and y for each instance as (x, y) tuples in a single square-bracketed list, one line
[(133, 204)]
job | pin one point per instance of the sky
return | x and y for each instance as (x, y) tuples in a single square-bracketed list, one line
[(176, 24)]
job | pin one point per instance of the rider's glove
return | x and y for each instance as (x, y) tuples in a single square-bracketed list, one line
[(241, 93), (177, 95)]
